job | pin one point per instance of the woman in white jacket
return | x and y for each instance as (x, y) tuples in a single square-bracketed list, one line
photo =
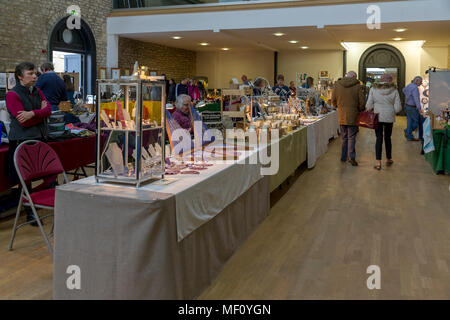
[(384, 99)]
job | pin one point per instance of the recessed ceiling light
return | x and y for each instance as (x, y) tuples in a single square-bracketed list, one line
[(293, 41), (278, 34), (400, 30), (397, 39), (176, 37), (225, 49), (304, 47), (204, 44)]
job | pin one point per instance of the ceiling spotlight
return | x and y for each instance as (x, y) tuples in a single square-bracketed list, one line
[(278, 34), (397, 39), (225, 49), (176, 37), (204, 44), (400, 30), (304, 47), (293, 41)]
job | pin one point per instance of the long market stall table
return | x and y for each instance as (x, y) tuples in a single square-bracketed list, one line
[(292, 150), (319, 134), (158, 241), (73, 153), (440, 157)]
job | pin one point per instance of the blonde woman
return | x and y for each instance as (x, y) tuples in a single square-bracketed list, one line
[(384, 99)]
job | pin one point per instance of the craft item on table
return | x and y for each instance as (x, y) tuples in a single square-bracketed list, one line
[(114, 155), (73, 129), (105, 119), (172, 172), (130, 125), (198, 168), (190, 172), (145, 154), (164, 182), (135, 68), (152, 150), (122, 123), (158, 149), (130, 170)]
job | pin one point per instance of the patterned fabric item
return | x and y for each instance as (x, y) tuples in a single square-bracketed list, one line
[(428, 145)]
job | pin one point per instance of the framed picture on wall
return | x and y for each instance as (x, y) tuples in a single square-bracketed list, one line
[(115, 73), (102, 73), (126, 72), (323, 75)]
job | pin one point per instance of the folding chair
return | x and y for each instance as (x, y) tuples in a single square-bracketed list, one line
[(35, 160)]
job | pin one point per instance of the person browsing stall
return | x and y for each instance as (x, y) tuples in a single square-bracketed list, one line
[(413, 109), (293, 89), (309, 83), (52, 86), (281, 89), (181, 115)]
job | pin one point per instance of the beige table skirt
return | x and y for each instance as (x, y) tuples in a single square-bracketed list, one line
[(125, 242), (292, 150)]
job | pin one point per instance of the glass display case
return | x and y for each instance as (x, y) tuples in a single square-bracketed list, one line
[(130, 130)]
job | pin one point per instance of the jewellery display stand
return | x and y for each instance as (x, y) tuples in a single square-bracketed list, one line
[(130, 131)]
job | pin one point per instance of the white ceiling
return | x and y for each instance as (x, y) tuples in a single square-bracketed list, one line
[(435, 33)]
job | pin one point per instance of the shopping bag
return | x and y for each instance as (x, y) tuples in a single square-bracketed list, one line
[(367, 119)]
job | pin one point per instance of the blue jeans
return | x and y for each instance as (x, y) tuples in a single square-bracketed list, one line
[(348, 136), (412, 121)]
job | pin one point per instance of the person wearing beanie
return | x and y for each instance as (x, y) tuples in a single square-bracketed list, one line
[(384, 100)]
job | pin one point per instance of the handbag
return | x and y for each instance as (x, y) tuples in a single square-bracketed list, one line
[(367, 119)]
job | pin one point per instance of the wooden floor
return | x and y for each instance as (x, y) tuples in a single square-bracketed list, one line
[(323, 232)]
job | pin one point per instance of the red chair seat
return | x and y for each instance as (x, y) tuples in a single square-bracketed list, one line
[(43, 198)]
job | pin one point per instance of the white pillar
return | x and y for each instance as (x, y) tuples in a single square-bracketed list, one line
[(112, 53)]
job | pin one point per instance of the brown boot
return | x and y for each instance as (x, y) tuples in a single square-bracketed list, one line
[(353, 162)]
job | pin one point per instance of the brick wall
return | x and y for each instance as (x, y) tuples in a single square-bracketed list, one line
[(26, 26), (175, 63)]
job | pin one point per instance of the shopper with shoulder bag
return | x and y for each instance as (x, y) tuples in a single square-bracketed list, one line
[(384, 100)]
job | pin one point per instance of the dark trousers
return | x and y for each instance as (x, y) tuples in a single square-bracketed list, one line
[(348, 136), (387, 129)]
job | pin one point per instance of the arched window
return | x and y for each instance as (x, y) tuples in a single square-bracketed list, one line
[(78, 50), (383, 58)]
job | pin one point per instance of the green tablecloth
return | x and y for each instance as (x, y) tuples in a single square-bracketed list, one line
[(292, 150), (210, 107), (440, 157)]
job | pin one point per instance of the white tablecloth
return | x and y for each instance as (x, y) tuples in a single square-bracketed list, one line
[(201, 197), (318, 135)]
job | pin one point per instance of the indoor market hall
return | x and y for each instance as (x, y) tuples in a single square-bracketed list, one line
[(225, 158)]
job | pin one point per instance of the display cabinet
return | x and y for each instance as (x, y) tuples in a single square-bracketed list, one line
[(130, 130)]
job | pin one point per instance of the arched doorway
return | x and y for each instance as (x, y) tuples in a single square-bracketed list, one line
[(78, 44), (383, 58)]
